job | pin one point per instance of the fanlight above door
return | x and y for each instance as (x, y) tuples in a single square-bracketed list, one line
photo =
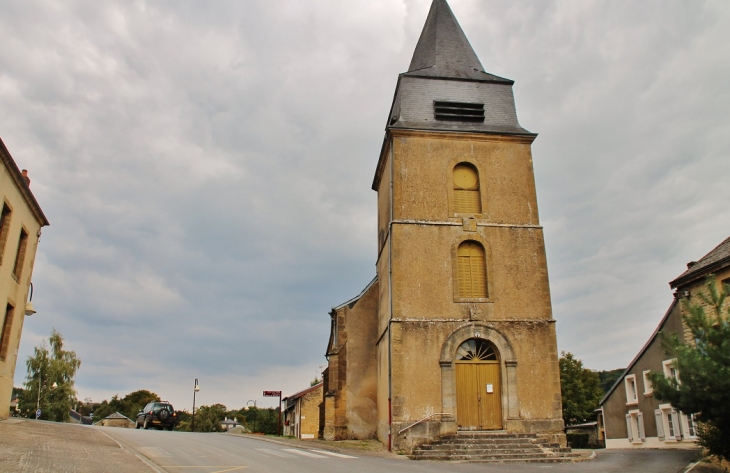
[(477, 350)]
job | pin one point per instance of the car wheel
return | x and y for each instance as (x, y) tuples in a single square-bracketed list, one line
[(136, 425), (170, 428), (163, 415), (146, 425)]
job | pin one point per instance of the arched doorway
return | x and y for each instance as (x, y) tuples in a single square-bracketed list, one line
[(478, 386)]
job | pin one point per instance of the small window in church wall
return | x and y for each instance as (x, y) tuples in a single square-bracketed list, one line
[(466, 189), (471, 270)]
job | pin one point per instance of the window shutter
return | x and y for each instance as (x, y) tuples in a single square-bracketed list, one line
[(628, 428), (467, 201), (659, 423), (471, 270), (675, 421), (640, 423)]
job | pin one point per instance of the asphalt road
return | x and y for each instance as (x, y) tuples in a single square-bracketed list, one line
[(219, 453)]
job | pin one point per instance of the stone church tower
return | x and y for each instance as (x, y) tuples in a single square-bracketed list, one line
[(457, 329)]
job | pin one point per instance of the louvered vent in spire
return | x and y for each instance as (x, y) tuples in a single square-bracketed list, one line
[(459, 111)]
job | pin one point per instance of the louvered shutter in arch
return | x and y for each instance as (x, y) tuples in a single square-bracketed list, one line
[(471, 270), (659, 423), (466, 189)]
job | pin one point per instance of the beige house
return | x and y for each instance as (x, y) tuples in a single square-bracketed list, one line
[(630, 416), (456, 331), (302, 413), (21, 221)]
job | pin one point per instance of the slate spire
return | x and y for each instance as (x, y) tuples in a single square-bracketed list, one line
[(443, 50)]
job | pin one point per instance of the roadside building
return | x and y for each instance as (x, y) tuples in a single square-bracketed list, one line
[(456, 332), (229, 424), (21, 220), (630, 416), (302, 413), (116, 420)]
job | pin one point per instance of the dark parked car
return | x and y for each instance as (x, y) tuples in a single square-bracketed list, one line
[(159, 415)]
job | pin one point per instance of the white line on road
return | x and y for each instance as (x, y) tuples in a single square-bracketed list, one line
[(338, 455), (304, 453), (266, 451)]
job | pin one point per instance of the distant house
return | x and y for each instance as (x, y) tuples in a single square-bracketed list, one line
[(229, 424), (116, 420), (629, 415), (302, 413)]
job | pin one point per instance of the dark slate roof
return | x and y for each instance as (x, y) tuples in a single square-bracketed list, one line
[(716, 259), (443, 50)]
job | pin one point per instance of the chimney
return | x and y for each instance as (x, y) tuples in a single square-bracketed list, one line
[(24, 172), (690, 264)]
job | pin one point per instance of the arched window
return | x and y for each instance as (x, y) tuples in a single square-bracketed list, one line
[(476, 349), (466, 189), (471, 270)]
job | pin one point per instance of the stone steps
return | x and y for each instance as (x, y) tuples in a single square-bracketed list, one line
[(492, 447)]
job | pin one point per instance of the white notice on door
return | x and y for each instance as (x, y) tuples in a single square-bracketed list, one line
[(490, 388)]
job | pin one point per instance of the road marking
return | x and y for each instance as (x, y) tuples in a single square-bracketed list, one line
[(229, 468), (304, 453), (338, 455), (155, 452), (275, 453), (195, 453)]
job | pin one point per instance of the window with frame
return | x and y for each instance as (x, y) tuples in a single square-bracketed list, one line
[(467, 197), (471, 268), (5, 334), (632, 396), (670, 420), (635, 426), (670, 371), (20, 255), (4, 228), (648, 389)]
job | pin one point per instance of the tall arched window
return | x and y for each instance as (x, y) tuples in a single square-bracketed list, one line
[(466, 189), (471, 270)]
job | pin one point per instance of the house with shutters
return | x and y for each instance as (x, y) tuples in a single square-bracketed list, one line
[(455, 334), (629, 414)]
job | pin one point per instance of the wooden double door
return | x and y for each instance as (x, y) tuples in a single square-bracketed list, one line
[(478, 395)]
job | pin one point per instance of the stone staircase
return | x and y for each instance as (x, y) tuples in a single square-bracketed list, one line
[(493, 446)]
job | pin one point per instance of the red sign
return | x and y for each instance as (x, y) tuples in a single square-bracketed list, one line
[(272, 393)]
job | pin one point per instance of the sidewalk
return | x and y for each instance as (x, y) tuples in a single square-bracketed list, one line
[(40, 446), (370, 448)]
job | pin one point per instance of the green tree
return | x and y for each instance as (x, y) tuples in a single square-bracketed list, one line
[(581, 390), (49, 383), (609, 378), (209, 418), (129, 405), (703, 367)]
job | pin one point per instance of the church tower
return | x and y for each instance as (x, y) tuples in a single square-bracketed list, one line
[(465, 338)]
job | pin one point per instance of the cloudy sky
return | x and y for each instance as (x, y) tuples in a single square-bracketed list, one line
[(206, 169)]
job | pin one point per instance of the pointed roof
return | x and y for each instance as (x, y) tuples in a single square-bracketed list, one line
[(443, 50)]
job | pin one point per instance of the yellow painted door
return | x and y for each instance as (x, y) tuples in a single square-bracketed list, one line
[(478, 408)]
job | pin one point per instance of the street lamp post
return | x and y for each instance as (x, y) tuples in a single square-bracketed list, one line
[(255, 413), (195, 390)]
